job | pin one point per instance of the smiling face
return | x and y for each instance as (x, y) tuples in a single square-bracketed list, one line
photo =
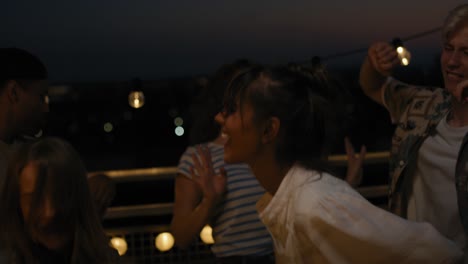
[(278, 115), (454, 59), (242, 135)]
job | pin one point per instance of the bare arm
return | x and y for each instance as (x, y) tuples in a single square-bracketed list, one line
[(378, 65), (191, 212), (196, 198), (355, 163)]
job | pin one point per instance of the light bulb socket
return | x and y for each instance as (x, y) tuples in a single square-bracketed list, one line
[(397, 42)]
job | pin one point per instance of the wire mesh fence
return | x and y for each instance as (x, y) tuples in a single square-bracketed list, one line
[(141, 248)]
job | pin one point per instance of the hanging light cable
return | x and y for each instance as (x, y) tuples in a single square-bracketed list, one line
[(363, 50)]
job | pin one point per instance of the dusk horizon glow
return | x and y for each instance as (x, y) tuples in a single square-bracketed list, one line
[(119, 40)]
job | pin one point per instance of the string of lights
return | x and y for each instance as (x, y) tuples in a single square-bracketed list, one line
[(136, 97), (362, 50), (422, 34)]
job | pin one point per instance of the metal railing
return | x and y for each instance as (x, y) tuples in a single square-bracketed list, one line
[(165, 173), (141, 239)]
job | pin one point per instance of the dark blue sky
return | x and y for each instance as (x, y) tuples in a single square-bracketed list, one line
[(88, 40)]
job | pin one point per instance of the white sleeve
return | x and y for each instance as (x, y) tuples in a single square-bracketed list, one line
[(346, 228)]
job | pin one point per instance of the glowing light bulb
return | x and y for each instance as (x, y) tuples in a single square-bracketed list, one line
[(136, 99), (164, 241), (206, 235), (404, 61), (119, 244), (404, 55)]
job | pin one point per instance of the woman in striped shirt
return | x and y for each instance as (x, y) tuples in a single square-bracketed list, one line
[(227, 201)]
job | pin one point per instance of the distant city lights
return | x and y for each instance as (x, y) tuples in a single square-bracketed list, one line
[(179, 131), (178, 121), (108, 127)]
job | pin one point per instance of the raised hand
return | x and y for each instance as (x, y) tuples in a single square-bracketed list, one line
[(212, 184), (354, 171), (383, 57)]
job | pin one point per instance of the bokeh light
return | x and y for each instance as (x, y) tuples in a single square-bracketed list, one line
[(119, 244), (164, 241)]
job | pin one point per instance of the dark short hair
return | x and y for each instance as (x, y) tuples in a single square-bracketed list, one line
[(306, 102), (19, 64)]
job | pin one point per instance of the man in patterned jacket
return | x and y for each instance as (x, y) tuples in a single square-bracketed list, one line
[(429, 156)]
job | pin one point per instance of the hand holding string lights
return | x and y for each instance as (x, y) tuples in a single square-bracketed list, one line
[(403, 54), (404, 57)]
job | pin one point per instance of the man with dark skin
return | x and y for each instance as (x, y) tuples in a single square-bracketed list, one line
[(23, 100)]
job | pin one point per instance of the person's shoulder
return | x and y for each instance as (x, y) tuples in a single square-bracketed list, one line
[(397, 85), (309, 185), (323, 189), (187, 154), (193, 148), (431, 90)]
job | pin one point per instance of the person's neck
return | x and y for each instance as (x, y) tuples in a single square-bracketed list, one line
[(458, 116), (219, 140), (269, 172)]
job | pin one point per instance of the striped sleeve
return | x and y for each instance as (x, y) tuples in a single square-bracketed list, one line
[(186, 162)]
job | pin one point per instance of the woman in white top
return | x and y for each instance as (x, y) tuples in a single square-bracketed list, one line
[(279, 121)]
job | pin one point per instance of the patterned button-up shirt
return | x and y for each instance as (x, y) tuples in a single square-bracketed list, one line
[(417, 111)]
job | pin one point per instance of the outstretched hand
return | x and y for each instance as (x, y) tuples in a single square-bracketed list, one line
[(212, 184), (354, 171)]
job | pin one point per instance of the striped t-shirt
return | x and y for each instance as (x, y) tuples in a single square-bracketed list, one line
[(237, 229)]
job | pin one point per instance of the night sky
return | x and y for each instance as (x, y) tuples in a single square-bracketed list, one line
[(118, 40)]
